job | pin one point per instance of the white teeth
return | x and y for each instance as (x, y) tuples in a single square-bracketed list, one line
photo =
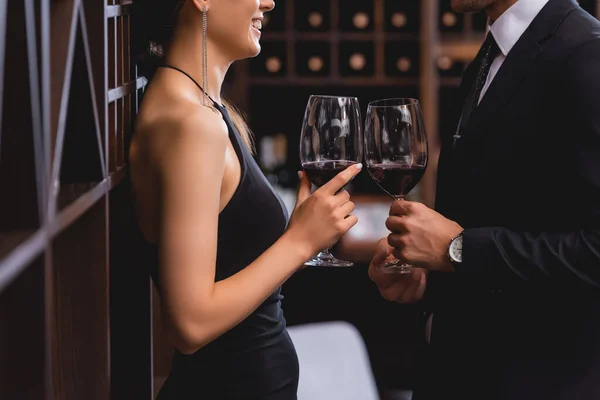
[(257, 24)]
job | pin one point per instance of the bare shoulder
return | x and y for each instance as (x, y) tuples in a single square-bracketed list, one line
[(184, 130)]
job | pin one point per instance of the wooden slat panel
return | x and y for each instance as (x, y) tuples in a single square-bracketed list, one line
[(46, 95), (36, 115), (81, 344), (17, 250), (78, 157), (96, 28), (119, 10), (111, 55), (112, 136), (19, 210), (76, 200), (63, 14), (2, 50), (131, 346), (120, 53), (92, 78), (22, 343), (128, 88), (119, 136)]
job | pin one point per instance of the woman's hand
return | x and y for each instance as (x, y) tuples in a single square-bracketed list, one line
[(320, 219)]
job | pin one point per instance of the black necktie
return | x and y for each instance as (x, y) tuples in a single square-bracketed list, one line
[(488, 52)]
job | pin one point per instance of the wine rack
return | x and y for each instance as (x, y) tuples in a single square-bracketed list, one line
[(77, 314), (74, 310)]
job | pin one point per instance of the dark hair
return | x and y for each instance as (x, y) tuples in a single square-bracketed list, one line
[(153, 23)]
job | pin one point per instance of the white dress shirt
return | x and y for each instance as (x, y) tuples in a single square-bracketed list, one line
[(507, 31)]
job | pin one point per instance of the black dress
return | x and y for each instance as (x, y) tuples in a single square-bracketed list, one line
[(256, 359)]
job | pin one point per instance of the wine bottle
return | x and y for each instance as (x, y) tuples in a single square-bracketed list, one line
[(356, 16), (357, 59), (313, 16), (449, 67), (449, 20), (402, 58), (271, 61), (402, 16), (313, 58)]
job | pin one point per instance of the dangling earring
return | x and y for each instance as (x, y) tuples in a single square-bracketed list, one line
[(205, 98)]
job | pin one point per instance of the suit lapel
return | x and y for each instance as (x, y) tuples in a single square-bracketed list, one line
[(515, 68), (510, 76)]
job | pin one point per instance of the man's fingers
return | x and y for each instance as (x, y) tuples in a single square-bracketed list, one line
[(401, 207), (396, 224), (412, 287), (382, 251), (341, 179), (422, 285)]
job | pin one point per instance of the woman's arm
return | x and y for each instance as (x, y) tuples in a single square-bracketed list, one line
[(191, 165)]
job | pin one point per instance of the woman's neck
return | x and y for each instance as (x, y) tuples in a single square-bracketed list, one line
[(186, 52)]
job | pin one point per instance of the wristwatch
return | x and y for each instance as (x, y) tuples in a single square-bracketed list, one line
[(455, 249)]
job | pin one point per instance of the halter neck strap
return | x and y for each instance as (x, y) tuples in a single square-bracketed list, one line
[(193, 80)]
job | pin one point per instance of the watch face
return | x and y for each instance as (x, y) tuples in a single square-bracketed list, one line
[(456, 249)]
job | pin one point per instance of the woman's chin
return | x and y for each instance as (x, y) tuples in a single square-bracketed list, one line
[(254, 50)]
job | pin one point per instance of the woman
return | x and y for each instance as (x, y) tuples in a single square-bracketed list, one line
[(218, 230)]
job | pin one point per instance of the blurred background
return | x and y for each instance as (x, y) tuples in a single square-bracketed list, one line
[(79, 317)]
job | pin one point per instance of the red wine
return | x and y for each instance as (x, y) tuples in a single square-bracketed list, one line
[(396, 179), (321, 172)]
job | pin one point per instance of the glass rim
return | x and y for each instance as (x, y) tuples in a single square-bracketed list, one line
[(399, 102), (327, 96)]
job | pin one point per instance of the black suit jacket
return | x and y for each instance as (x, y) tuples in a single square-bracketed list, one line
[(520, 318)]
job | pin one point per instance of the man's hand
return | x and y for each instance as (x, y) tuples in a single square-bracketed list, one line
[(421, 236), (403, 288)]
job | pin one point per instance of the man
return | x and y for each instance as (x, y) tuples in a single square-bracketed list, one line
[(509, 264)]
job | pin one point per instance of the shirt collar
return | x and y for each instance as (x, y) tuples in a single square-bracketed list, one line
[(511, 25)]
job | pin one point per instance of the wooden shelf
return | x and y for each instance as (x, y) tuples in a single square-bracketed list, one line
[(83, 197), (338, 36), (319, 81), (17, 250), (461, 47), (450, 81)]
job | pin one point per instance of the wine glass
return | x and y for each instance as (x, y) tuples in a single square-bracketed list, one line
[(395, 151), (331, 141)]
